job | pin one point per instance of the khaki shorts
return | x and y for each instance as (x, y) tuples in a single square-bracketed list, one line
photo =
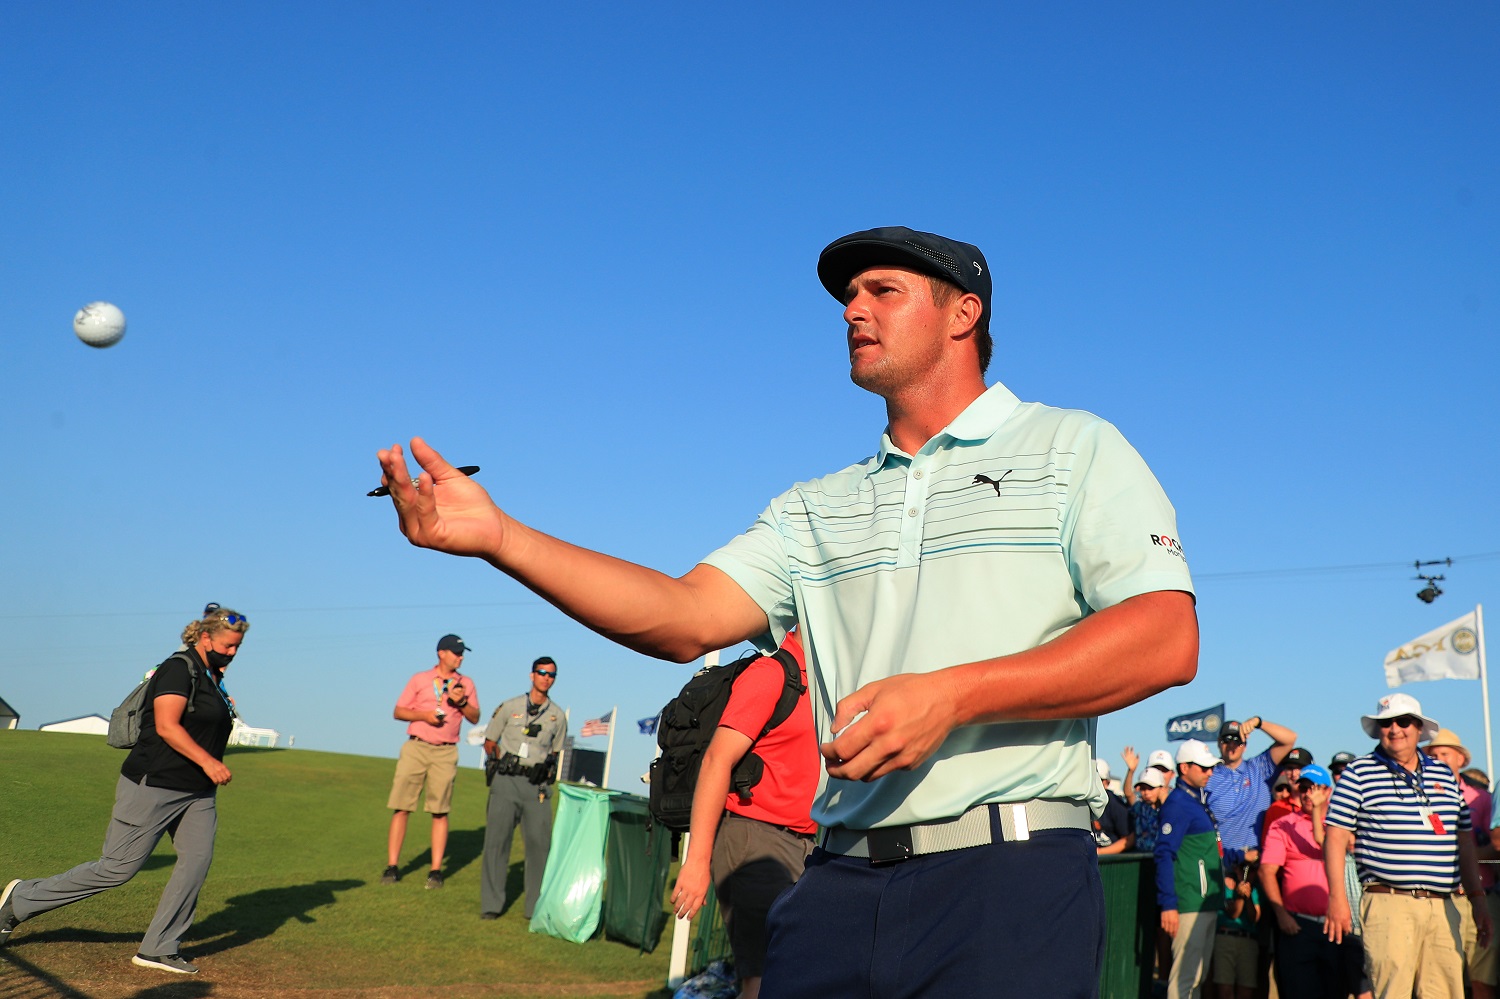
[(421, 762), (1235, 960)]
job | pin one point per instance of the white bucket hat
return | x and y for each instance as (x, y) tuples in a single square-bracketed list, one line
[(1394, 706), (1194, 751)]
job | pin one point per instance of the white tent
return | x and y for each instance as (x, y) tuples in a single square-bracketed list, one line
[(87, 725), (244, 735)]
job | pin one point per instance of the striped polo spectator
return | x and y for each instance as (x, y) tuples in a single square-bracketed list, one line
[(1406, 818)]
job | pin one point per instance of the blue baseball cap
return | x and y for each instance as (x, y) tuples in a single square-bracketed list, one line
[(1314, 774)]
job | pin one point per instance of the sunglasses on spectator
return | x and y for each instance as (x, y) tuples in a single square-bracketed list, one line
[(1404, 721), (234, 619), (542, 672)]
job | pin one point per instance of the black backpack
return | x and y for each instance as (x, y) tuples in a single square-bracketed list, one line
[(687, 725)]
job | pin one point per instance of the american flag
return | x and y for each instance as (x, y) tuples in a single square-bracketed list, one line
[(596, 726)]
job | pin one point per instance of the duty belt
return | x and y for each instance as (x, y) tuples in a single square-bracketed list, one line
[(973, 828)]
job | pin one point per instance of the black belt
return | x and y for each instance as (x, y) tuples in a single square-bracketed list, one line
[(418, 738), (1224, 931), (786, 829)]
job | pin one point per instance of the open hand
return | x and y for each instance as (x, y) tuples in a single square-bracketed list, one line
[(1131, 757), (903, 720), (691, 890), (444, 509)]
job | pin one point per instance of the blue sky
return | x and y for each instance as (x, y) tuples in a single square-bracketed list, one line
[(575, 246)]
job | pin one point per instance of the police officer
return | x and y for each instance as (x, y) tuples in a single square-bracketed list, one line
[(522, 744)]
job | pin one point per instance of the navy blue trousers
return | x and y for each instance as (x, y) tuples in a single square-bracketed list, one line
[(1013, 919)]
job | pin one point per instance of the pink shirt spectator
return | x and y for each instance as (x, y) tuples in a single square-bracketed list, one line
[(422, 695), (1290, 846), (1481, 810)]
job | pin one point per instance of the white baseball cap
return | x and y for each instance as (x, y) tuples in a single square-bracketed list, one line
[(1193, 751), (1394, 706), (1102, 766), (1151, 777), (1161, 759)]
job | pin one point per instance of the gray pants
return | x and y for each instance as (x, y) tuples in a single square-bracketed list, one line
[(512, 800), (141, 817)]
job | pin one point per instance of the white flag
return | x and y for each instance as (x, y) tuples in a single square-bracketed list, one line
[(1449, 653)]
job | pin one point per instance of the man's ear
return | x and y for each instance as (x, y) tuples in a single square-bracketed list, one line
[(965, 315)]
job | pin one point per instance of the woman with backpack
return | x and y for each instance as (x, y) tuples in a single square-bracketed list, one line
[(167, 786)]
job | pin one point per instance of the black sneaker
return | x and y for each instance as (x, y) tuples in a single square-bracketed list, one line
[(435, 879), (8, 920), (165, 962), (489, 915), (390, 876)]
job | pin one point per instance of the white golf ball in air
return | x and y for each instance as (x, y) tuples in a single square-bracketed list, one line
[(99, 324)]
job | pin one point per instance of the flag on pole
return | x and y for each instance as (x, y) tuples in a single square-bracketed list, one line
[(1203, 725), (648, 725), (1448, 653), (597, 726)]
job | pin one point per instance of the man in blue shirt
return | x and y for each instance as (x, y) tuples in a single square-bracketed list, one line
[(971, 596), (1241, 788)]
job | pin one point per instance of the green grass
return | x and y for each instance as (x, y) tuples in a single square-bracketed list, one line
[(293, 904)]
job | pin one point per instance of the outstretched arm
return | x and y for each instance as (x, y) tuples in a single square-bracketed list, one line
[(1110, 659), (648, 611)]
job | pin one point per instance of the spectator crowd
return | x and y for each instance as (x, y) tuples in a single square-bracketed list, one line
[(1275, 876)]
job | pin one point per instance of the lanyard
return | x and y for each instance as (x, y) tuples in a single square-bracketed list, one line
[(223, 693), (440, 692), (1412, 782)]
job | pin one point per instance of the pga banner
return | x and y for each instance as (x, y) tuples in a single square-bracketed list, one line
[(1450, 653), (1203, 725)]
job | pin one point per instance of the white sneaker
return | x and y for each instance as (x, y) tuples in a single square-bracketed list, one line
[(166, 962)]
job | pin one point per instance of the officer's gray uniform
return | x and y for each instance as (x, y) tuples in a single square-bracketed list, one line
[(514, 798)]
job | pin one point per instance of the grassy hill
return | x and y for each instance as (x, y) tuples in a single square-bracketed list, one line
[(293, 905)]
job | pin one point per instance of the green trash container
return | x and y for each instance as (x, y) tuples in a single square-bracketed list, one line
[(637, 861), (1130, 925)]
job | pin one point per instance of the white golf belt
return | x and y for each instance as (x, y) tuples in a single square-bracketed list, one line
[(1018, 821)]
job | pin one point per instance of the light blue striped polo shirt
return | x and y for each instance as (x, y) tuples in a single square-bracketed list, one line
[(1005, 530), (1394, 842)]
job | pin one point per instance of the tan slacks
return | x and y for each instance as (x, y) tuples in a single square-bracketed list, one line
[(1413, 946)]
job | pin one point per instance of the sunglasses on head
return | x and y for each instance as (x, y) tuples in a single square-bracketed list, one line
[(542, 672), (234, 619), (1402, 721)]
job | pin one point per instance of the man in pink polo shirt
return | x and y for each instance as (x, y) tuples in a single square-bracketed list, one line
[(435, 701), (1295, 884)]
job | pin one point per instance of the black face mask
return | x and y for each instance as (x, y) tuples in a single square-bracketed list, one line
[(218, 660)]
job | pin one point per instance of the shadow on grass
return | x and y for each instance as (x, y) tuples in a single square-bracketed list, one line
[(176, 990), (252, 917), (464, 847), (19, 977), (246, 919)]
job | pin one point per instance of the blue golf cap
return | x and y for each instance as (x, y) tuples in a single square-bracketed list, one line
[(1316, 775)]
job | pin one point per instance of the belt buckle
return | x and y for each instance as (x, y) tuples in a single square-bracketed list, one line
[(889, 846)]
